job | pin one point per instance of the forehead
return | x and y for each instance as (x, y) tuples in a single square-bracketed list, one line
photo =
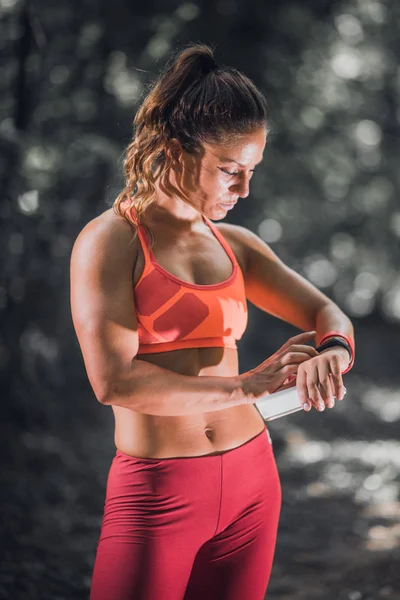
[(244, 149)]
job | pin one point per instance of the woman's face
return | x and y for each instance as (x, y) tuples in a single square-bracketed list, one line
[(214, 180)]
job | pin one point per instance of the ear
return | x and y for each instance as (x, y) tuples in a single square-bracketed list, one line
[(174, 151)]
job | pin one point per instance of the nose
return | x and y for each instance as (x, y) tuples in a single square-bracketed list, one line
[(242, 187)]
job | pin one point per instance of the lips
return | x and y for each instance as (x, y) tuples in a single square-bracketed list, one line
[(227, 205)]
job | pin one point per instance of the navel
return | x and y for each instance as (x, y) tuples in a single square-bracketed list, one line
[(209, 433)]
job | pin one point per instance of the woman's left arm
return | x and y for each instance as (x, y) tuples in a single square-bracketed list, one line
[(277, 289)]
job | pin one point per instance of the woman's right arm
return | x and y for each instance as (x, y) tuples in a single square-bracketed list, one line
[(105, 322)]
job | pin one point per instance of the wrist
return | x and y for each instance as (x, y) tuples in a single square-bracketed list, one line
[(343, 339), (344, 355), (239, 388), (333, 339)]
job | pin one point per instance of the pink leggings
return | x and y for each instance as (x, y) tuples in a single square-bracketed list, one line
[(189, 528)]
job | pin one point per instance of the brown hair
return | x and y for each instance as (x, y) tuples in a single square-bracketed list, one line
[(195, 101)]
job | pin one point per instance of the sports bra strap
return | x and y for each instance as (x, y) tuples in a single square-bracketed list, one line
[(148, 252), (222, 241), (142, 237)]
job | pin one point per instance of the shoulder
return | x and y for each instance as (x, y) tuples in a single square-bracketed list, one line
[(245, 243), (236, 240), (107, 236)]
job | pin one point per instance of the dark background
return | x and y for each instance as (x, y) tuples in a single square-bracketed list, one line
[(325, 198)]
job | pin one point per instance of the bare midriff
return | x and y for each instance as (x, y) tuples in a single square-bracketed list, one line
[(152, 436)]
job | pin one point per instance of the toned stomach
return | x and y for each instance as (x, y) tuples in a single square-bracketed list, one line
[(150, 436)]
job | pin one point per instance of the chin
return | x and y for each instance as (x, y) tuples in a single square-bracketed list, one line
[(214, 212)]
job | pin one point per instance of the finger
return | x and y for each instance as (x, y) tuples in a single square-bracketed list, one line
[(337, 379), (293, 358), (326, 389), (299, 348), (299, 336), (288, 372), (285, 377), (313, 385), (297, 355), (307, 335), (344, 393), (306, 349), (314, 395), (301, 383), (289, 379)]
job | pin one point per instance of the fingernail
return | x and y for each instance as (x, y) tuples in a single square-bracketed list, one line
[(344, 391), (305, 406)]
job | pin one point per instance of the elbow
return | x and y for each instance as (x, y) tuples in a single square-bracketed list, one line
[(103, 392), (110, 394), (106, 394), (102, 398), (116, 388), (105, 384)]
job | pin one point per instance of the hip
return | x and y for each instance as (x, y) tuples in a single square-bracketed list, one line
[(150, 496)]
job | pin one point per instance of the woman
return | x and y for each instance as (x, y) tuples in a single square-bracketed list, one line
[(158, 296)]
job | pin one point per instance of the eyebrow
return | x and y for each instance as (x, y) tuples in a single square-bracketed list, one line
[(223, 159)]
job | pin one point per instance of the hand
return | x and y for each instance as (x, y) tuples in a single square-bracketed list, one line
[(319, 380), (272, 374)]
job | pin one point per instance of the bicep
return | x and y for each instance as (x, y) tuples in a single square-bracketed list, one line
[(276, 288), (102, 305)]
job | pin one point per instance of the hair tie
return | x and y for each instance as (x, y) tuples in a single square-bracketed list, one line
[(208, 65)]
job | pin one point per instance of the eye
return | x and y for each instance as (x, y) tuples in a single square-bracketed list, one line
[(230, 172), (235, 172)]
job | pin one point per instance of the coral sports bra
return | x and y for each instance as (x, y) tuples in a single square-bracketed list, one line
[(173, 314)]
